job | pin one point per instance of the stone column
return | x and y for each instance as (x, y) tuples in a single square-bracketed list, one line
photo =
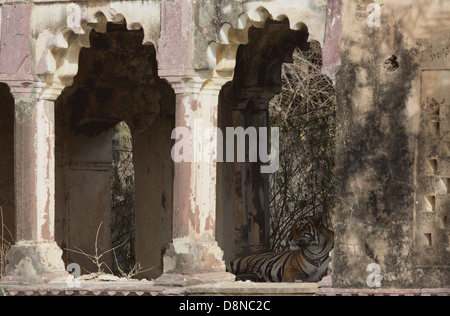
[(35, 254), (251, 196), (331, 54), (88, 197), (154, 171), (194, 249), (258, 191)]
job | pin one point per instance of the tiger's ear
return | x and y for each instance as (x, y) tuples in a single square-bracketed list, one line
[(294, 226), (318, 219)]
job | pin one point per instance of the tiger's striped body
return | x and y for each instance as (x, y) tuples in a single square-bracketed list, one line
[(311, 242)]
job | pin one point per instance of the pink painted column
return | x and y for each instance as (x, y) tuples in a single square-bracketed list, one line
[(35, 254), (331, 53), (194, 249), (34, 171)]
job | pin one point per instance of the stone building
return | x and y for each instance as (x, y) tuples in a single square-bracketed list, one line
[(72, 70)]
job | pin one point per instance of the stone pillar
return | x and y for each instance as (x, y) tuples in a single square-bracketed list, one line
[(194, 249), (243, 190), (258, 191), (251, 196), (241, 243), (153, 193), (331, 55), (35, 254), (88, 198)]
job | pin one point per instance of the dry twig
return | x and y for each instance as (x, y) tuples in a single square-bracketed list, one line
[(96, 257)]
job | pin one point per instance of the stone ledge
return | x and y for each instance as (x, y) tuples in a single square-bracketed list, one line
[(220, 288), (184, 280), (131, 288), (324, 291), (150, 288), (251, 288)]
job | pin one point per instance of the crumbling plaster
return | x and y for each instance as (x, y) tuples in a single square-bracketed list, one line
[(378, 118)]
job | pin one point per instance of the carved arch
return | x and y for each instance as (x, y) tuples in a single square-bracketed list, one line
[(221, 54), (57, 53)]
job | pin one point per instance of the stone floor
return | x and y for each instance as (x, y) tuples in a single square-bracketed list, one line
[(148, 288)]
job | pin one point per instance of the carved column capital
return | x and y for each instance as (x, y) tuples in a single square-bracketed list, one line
[(194, 83)]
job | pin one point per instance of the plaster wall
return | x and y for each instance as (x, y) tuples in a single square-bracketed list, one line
[(381, 145)]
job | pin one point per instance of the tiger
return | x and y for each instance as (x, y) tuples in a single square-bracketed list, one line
[(310, 243)]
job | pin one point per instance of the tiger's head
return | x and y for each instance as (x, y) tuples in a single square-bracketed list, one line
[(304, 232)]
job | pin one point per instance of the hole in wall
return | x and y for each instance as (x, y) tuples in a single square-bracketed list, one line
[(445, 182), (434, 129), (435, 111), (432, 166), (431, 203), (391, 64), (446, 148), (444, 222), (428, 241)]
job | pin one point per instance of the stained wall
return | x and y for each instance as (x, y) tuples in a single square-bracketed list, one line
[(392, 201)]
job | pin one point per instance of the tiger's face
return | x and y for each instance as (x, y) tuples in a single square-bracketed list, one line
[(303, 233)]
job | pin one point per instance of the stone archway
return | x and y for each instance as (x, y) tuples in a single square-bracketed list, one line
[(244, 102), (116, 82)]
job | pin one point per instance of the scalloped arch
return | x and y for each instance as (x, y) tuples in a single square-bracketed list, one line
[(221, 55), (59, 53), (259, 16)]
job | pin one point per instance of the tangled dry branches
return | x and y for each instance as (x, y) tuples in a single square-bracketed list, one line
[(305, 113), (122, 201), (6, 239)]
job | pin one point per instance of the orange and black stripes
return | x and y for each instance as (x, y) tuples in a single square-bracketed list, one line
[(312, 243)]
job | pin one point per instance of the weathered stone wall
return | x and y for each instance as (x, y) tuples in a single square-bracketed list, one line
[(382, 145), (432, 166)]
